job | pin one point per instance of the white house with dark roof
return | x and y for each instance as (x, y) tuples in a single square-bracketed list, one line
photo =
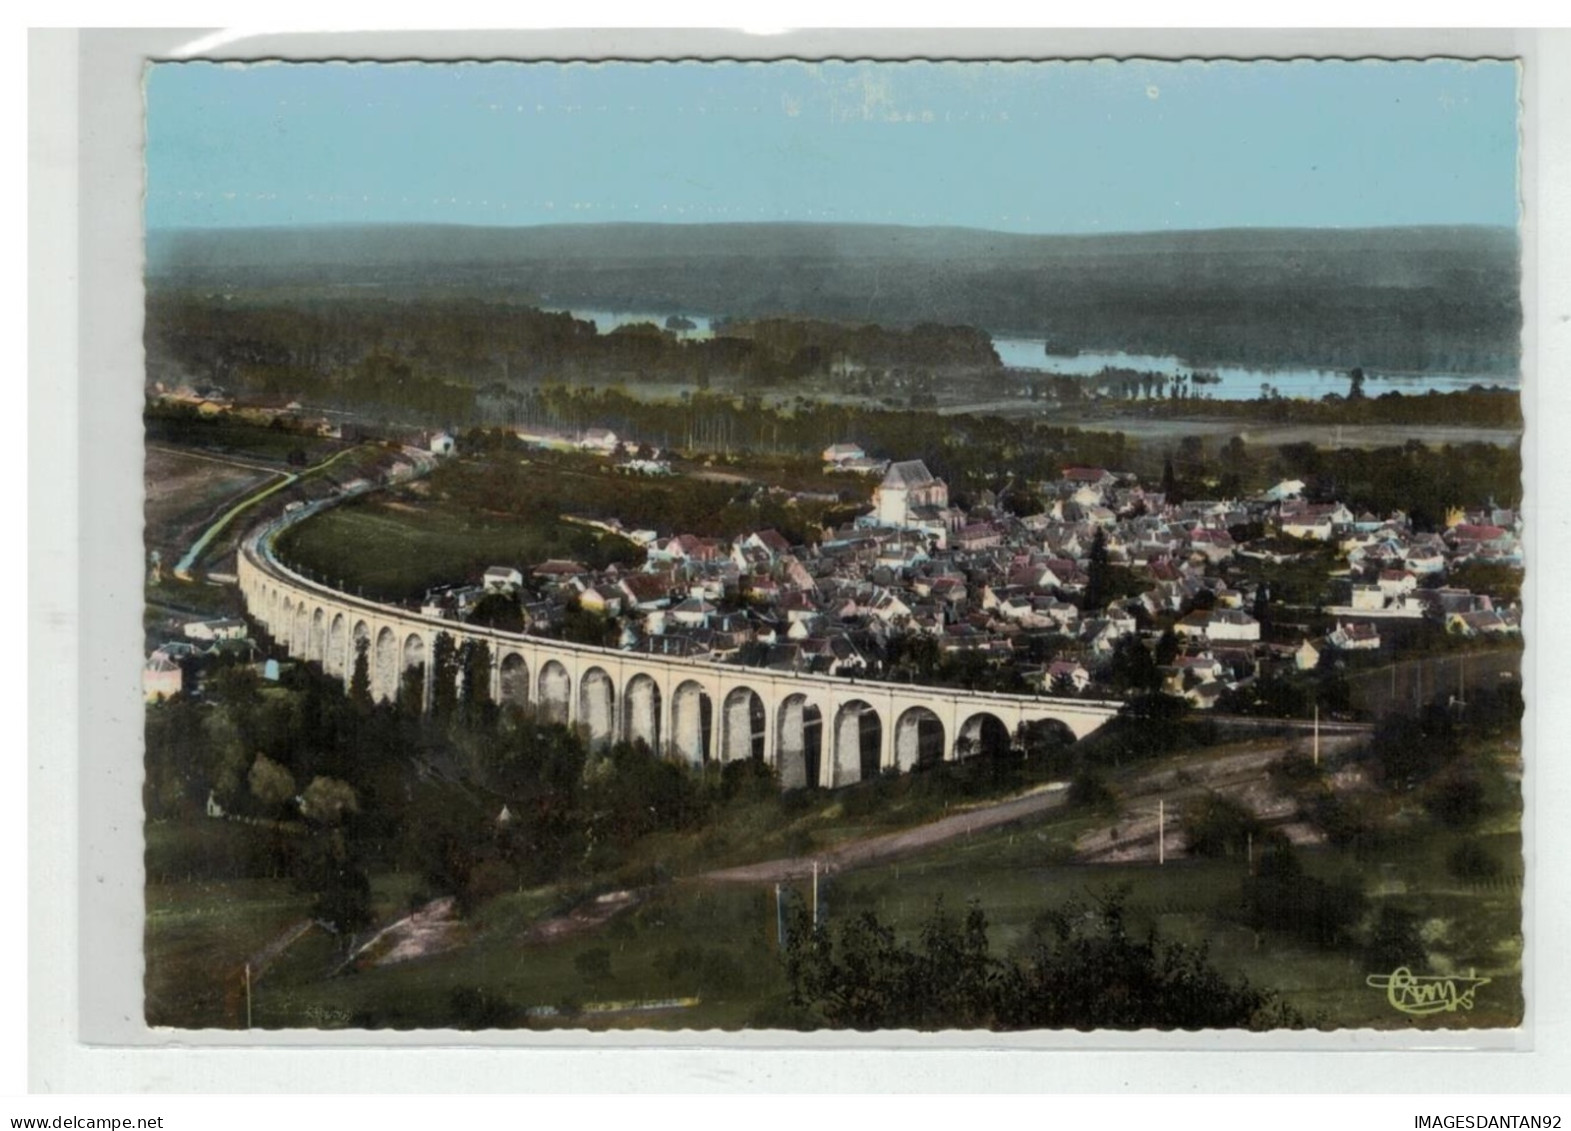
[(502, 579)]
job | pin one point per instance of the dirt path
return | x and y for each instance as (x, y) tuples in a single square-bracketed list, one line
[(229, 461), (584, 917), (872, 850)]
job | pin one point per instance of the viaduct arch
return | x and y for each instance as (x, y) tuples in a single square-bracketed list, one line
[(816, 730)]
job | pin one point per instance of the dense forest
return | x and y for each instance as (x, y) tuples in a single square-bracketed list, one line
[(1398, 299), (429, 356)]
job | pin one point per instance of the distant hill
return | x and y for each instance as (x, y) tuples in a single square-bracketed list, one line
[(1410, 299)]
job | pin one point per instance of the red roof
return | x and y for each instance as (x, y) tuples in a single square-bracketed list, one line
[(1085, 474)]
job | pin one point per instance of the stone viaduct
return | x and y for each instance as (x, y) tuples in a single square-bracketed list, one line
[(820, 729)]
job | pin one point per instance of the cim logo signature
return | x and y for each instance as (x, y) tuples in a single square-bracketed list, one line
[(1423, 994)]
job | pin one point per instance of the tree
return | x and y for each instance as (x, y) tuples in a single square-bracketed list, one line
[(411, 692), (343, 891), (594, 965), (235, 686), (271, 784), (328, 801), (1099, 574), (1215, 825), (1170, 482), (1132, 670), (1090, 792), (474, 659), (867, 979), (1280, 896), (1081, 967), (444, 676), (1355, 378), (500, 611)]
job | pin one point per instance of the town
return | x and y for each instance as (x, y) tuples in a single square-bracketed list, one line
[(1057, 602)]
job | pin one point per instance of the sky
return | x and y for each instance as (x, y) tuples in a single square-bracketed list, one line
[(1057, 147)]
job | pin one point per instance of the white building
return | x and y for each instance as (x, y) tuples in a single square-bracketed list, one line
[(503, 579), (209, 630), (907, 489), (599, 440)]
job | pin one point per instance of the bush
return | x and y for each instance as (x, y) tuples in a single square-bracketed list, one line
[(1091, 793), (1456, 800), (593, 965), (472, 1008), (1219, 826), (1281, 897), (1393, 940)]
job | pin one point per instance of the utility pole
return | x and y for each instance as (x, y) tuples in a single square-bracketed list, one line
[(1161, 831), (779, 920), (247, 995), (815, 895), (1317, 734)]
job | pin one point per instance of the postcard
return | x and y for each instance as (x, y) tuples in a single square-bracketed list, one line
[(821, 546)]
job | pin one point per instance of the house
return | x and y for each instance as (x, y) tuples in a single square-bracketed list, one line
[(1187, 672), (1313, 521), (694, 612), (1355, 636), (1066, 673), (646, 591), (1204, 697), (162, 678), (1213, 545), (502, 579), (1286, 489), (601, 440), (602, 602), (1096, 478), (560, 571), (1369, 598), (1220, 624), (228, 628), (978, 536), (1486, 622), (837, 455), (1396, 583), (771, 542), (889, 608), (1306, 657)]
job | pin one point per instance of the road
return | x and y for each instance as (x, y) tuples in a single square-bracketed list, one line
[(1172, 781), (194, 554), (873, 850)]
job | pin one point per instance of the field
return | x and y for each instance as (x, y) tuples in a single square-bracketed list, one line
[(186, 490), (698, 953), (398, 548), (1158, 431)]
